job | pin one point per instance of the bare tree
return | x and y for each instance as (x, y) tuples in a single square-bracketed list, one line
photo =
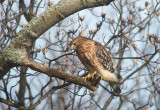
[(38, 72)]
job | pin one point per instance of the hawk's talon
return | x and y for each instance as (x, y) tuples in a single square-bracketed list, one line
[(87, 77), (93, 78), (93, 75), (90, 77)]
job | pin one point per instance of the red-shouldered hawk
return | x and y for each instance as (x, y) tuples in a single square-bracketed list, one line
[(96, 59)]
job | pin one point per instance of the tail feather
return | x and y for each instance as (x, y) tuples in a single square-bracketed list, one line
[(115, 87), (120, 79)]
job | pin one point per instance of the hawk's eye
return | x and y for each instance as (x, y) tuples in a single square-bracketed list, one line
[(74, 43)]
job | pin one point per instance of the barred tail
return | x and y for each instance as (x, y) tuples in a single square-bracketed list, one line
[(115, 87)]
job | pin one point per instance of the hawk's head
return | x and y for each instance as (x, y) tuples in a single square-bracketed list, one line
[(75, 42)]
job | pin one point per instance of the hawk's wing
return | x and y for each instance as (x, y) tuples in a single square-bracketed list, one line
[(105, 58)]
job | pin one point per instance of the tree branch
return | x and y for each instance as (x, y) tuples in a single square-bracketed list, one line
[(51, 91), (60, 74), (143, 65)]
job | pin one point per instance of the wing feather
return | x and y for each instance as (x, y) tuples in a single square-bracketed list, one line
[(104, 57)]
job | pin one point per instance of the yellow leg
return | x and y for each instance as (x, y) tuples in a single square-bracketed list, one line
[(90, 76), (94, 78), (86, 77)]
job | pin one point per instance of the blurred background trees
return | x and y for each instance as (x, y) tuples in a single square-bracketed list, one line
[(129, 29)]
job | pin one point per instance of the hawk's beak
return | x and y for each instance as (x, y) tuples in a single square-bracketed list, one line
[(71, 47)]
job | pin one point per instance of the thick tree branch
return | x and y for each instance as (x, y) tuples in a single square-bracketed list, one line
[(60, 74)]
